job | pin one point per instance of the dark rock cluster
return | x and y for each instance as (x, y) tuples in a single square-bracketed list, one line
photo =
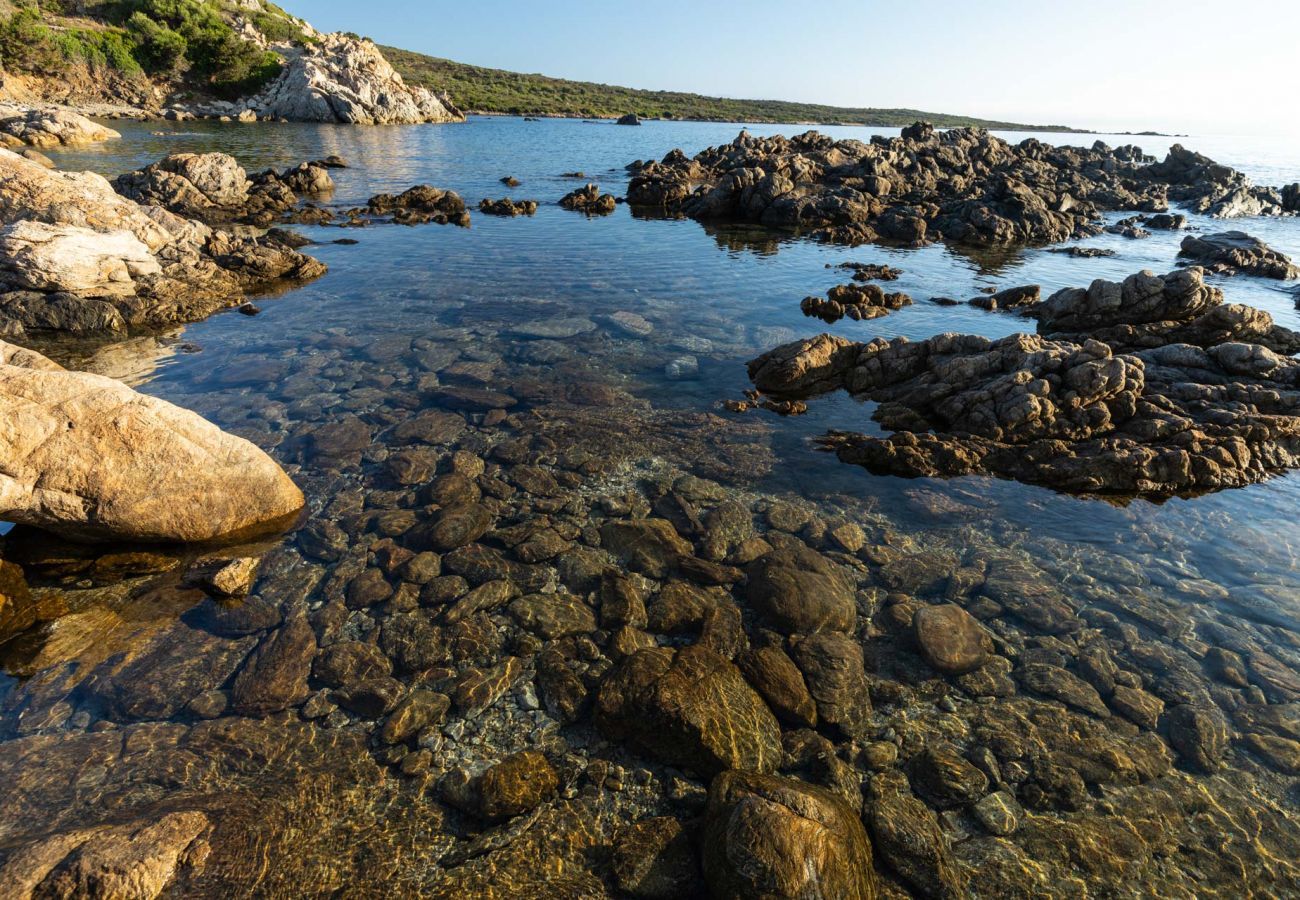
[(1150, 386), (962, 184)]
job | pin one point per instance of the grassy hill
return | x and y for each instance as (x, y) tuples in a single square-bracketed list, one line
[(478, 89)]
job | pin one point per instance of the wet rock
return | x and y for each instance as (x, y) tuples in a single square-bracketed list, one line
[(649, 546), (766, 836), (412, 641), (655, 859), (775, 676), (1281, 753), (688, 707), (800, 591), (136, 860), (367, 589), (833, 668), (516, 785), (420, 205), (349, 662), (372, 698), (233, 618), (589, 200), (275, 676), (857, 301), (1137, 706), (950, 638), (551, 616), (999, 813), (1059, 684), (179, 664), (418, 710), (507, 207), (451, 527), (1021, 297), (1199, 735), (479, 689), (224, 578), (945, 778), (1235, 252), (907, 836), (74, 467), (621, 602)]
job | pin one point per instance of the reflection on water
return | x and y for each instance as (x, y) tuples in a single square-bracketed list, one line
[(413, 319)]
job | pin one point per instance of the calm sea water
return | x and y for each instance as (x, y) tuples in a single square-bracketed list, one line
[(720, 295)]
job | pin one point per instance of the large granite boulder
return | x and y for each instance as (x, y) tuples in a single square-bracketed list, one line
[(50, 127), (78, 260), (772, 837), (345, 79), (88, 458)]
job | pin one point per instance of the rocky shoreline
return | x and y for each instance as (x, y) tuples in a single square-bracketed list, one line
[(530, 614)]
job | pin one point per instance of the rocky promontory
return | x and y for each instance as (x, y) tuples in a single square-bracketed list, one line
[(78, 258), (344, 79), (963, 185), (1151, 386)]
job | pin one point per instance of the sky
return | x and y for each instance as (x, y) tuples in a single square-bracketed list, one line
[(1195, 66)]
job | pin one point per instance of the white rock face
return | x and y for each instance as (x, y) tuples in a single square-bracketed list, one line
[(344, 79), (51, 127), (88, 458), (46, 257), (82, 199)]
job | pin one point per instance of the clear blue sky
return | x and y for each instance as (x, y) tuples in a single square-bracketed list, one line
[(1173, 65)]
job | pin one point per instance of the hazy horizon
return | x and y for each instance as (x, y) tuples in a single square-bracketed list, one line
[(1012, 60)]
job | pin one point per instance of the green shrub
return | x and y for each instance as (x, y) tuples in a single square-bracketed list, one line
[(158, 48)]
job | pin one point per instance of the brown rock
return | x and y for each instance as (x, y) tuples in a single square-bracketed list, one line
[(766, 836), (516, 785), (688, 707), (950, 638)]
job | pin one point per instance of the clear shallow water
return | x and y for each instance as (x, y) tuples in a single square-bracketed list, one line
[(307, 803), (737, 289)]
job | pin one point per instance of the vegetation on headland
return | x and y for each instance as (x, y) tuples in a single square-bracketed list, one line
[(479, 89), (191, 40)]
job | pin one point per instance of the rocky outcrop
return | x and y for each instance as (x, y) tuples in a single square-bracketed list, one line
[(590, 200), (418, 205), (51, 127), (1235, 252), (345, 79), (88, 458), (507, 207), (215, 189), (1152, 386), (962, 185), (66, 258), (857, 301), (78, 258)]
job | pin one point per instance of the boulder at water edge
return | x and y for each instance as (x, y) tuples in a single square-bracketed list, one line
[(88, 458)]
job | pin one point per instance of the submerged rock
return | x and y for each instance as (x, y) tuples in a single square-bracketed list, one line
[(88, 458), (689, 707), (767, 836)]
